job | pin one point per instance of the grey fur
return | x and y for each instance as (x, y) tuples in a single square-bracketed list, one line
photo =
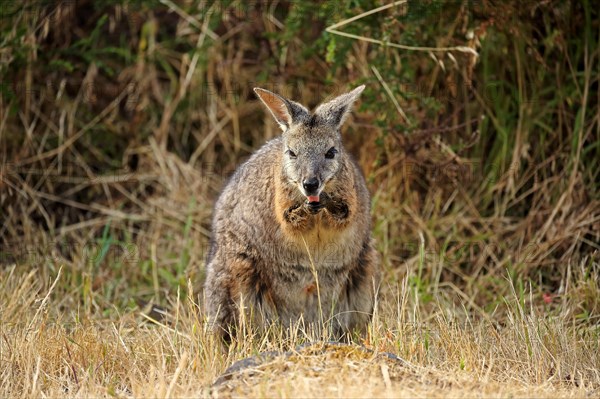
[(268, 242)]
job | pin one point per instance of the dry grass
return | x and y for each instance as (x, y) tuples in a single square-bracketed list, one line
[(50, 352), (486, 213)]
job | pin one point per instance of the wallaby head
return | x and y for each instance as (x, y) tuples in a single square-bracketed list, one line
[(312, 143)]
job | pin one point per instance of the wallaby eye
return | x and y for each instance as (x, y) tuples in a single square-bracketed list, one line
[(291, 153), (331, 153)]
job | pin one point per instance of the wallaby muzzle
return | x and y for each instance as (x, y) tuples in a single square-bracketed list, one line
[(311, 186)]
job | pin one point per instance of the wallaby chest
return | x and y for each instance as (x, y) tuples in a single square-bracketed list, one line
[(321, 247)]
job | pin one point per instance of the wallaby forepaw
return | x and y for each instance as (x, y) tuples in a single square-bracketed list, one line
[(295, 215), (338, 210)]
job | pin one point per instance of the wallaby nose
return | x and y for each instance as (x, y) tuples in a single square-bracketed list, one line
[(310, 185)]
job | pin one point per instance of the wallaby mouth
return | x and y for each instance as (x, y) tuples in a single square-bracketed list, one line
[(312, 198)]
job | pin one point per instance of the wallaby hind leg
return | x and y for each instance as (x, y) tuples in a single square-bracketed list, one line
[(361, 288), (220, 306), (237, 290)]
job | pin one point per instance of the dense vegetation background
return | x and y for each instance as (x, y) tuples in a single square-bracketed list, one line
[(479, 135)]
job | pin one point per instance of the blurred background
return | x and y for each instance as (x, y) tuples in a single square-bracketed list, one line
[(478, 133)]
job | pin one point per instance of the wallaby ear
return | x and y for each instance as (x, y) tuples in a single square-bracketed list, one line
[(336, 111), (284, 111)]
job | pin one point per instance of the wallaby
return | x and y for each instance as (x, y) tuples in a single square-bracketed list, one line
[(291, 236)]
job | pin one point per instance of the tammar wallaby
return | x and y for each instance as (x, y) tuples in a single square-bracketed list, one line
[(291, 236)]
